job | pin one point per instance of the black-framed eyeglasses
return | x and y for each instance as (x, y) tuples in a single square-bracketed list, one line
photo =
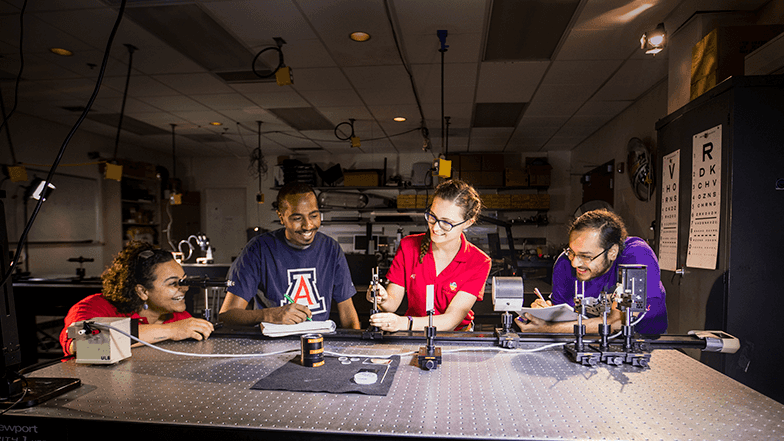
[(444, 225), (571, 255)]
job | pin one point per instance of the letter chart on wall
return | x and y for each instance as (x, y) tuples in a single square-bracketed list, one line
[(705, 199)]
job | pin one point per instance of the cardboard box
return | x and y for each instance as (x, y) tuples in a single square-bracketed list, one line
[(530, 201), (472, 177), (722, 52), (515, 177), (538, 172), (496, 201), (471, 162), (361, 178), (406, 201), (493, 162), (539, 180)]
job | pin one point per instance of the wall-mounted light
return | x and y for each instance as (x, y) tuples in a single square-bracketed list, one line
[(654, 41), (359, 36)]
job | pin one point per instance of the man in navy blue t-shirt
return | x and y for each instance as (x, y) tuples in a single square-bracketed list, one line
[(292, 273), (598, 243)]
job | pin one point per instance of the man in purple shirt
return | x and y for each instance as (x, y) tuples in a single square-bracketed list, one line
[(598, 243)]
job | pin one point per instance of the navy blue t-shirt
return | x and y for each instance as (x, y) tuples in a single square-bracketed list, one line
[(268, 267)]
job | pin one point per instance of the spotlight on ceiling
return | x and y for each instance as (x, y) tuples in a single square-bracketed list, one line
[(359, 36), (61, 51), (216, 123), (399, 118), (654, 41)]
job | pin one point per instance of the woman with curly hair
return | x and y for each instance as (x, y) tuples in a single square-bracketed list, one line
[(441, 257), (142, 283)]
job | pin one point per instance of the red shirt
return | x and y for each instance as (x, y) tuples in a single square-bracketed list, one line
[(467, 272), (96, 305)]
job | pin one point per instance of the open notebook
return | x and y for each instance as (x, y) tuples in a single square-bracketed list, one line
[(557, 313), (274, 330)]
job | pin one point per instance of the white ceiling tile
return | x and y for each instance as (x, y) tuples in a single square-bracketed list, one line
[(194, 83), (285, 98), (339, 114), (320, 79), (257, 22), (602, 108), (602, 44), (633, 79), (138, 86), (224, 101), (509, 82), (564, 92), (591, 73), (542, 108), (173, 103)]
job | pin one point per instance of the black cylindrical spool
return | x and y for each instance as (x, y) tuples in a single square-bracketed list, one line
[(312, 354)]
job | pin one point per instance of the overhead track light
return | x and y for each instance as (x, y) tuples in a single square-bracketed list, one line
[(654, 41)]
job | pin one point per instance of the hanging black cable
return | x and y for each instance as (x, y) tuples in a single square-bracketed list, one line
[(131, 48), (21, 65), (7, 129), (442, 38), (446, 150), (410, 75), (280, 42), (174, 154), (68, 137)]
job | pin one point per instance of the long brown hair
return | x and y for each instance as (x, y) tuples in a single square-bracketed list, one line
[(461, 194)]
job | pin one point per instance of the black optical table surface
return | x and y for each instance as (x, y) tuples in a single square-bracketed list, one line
[(481, 394)]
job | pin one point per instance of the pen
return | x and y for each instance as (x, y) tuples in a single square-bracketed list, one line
[(292, 301), (539, 294)]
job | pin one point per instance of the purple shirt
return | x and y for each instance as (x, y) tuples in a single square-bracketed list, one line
[(636, 252)]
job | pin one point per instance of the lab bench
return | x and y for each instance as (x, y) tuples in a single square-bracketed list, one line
[(475, 394)]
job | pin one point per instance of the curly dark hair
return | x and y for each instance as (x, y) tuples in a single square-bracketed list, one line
[(134, 265), (612, 230), (461, 194)]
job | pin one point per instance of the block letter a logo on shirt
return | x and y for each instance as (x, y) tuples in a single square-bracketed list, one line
[(303, 290)]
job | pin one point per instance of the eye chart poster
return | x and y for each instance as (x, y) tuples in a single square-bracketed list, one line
[(705, 199), (668, 229)]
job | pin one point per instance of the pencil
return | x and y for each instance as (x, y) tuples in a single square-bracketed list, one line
[(292, 301), (539, 294)]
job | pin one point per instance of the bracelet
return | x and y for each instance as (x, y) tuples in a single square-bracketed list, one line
[(410, 322)]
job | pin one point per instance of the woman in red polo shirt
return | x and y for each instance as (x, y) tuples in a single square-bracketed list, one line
[(441, 257), (142, 283)]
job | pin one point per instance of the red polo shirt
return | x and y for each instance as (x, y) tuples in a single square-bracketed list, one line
[(467, 272), (96, 305)]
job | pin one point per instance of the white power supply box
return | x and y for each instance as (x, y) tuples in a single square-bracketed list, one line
[(101, 345)]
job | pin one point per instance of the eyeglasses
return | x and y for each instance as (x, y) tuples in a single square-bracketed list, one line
[(571, 255), (444, 225)]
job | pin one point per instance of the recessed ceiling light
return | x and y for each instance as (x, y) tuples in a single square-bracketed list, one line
[(359, 36), (216, 123), (399, 118), (61, 51)]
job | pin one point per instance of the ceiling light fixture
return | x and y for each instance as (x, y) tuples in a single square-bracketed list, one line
[(399, 118), (359, 36), (60, 51), (216, 123), (654, 41)]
